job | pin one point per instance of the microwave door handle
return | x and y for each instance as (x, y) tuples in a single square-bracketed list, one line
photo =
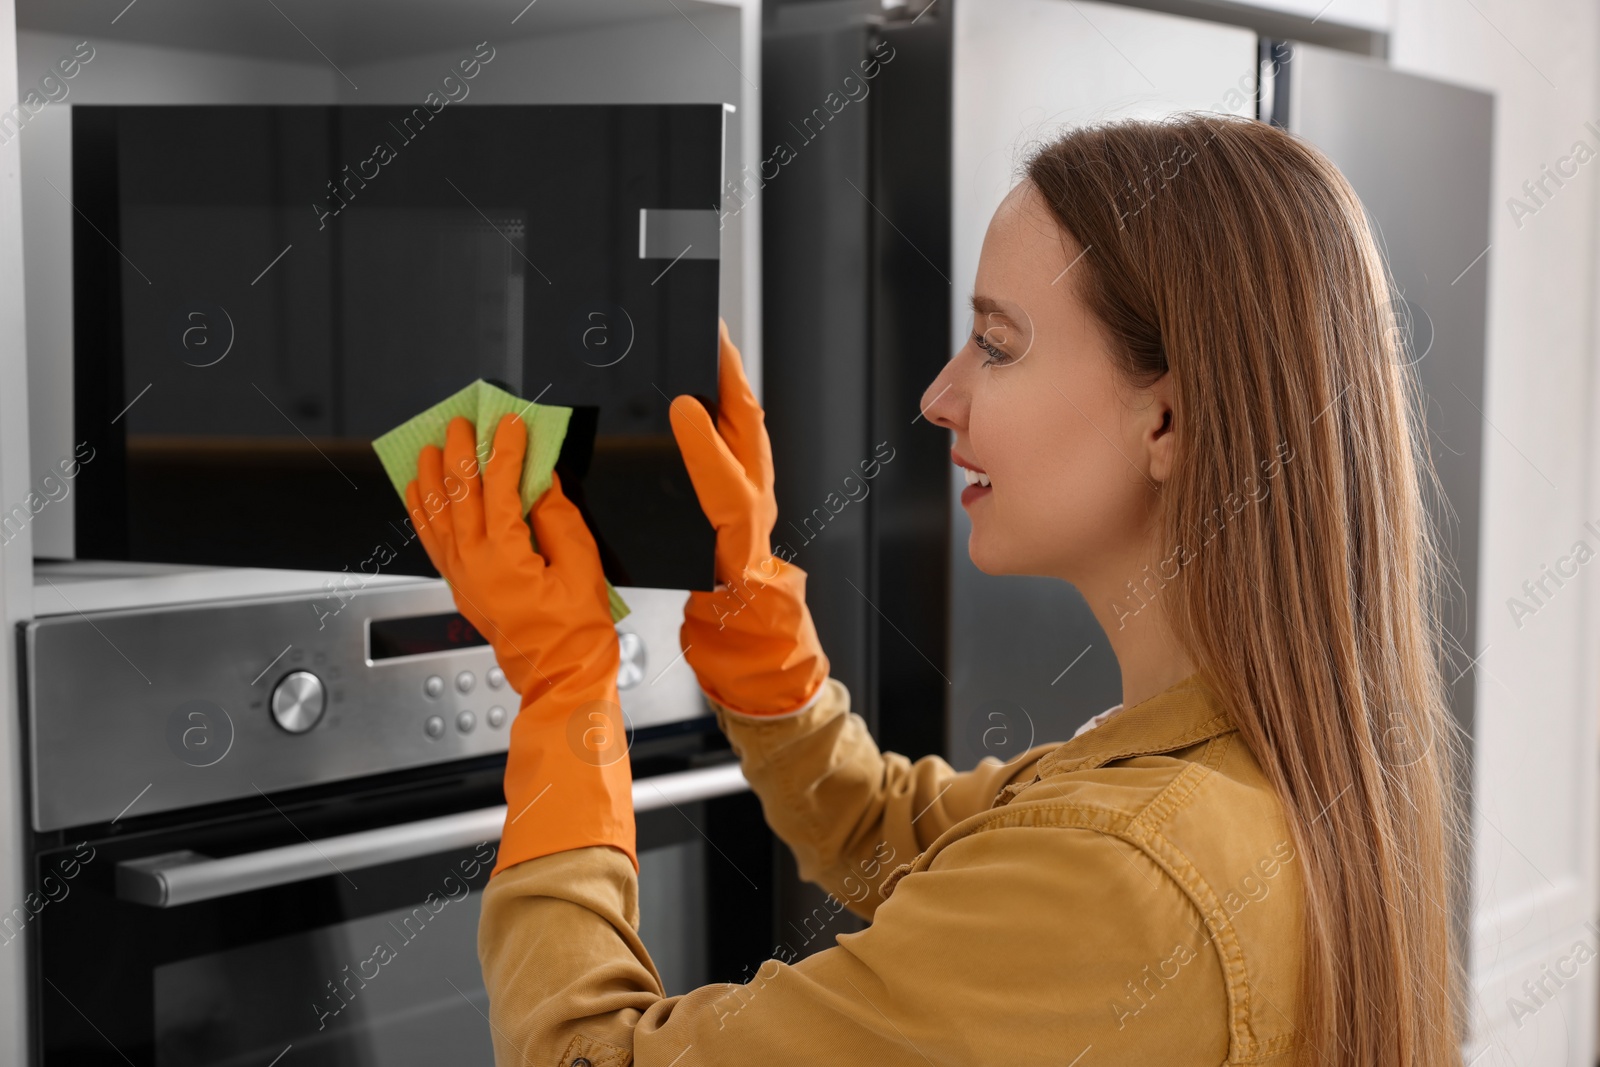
[(172, 879)]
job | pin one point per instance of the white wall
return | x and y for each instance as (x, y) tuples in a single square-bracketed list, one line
[(1536, 744)]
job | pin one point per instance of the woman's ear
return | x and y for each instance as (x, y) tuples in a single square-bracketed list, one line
[(1158, 416)]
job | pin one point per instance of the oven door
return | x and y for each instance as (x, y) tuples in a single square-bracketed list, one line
[(336, 926)]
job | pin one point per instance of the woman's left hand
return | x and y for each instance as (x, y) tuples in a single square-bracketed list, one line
[(547, 615)]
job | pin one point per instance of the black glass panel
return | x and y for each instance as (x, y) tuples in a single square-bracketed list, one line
[(361, 965), (260, 291)]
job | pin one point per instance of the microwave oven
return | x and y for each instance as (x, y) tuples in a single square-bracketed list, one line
[(259, 291)]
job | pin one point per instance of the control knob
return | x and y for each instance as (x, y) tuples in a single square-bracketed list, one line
[(298, 701)]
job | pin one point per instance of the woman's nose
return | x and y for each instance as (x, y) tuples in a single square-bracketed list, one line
[(943, 402)]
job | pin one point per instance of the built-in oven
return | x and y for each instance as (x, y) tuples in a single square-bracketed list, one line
[(260, 827)]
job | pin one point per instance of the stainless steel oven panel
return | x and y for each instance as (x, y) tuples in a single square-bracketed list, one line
[(142, 711)]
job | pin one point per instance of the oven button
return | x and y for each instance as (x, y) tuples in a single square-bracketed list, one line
[(495, 677), (434, 726), (297, 701), (497, 716), (464, 681), (433, 686), (466, 721)]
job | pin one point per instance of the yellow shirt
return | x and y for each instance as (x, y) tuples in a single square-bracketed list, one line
[(1130, 896)]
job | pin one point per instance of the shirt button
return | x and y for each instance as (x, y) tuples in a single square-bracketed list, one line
[(580, 1062)]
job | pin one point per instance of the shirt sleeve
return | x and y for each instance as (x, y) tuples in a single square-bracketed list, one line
[(850, 812), (1025, 944)]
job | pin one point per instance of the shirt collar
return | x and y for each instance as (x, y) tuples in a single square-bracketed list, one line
[(1179, 716)]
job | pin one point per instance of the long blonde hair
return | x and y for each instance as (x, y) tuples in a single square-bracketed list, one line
[(1237, 256)]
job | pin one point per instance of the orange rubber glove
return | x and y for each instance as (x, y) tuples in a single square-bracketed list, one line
[(548, 618), (751, 642)]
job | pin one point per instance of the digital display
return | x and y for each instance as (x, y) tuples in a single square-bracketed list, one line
[(415, 635)]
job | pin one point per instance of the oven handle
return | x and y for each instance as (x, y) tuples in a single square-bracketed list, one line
[(172, 879)]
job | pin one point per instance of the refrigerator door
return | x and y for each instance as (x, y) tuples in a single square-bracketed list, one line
[(1391, 134), (1418, 152), (1028, 663)]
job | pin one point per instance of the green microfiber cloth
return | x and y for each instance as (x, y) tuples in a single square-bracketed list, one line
[(485, 405)]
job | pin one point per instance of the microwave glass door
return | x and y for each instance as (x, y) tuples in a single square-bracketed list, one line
[(261, 291)]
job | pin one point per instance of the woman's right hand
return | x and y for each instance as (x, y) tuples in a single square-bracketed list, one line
[(751, 642)]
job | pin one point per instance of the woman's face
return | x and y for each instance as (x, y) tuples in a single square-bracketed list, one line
[(1073, 453)]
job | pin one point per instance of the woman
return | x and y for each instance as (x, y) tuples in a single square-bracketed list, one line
[(1185, 391)]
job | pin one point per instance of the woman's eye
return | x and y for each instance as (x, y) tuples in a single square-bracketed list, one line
[(996, 358)]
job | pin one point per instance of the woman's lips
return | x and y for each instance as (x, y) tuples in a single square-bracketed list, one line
[(974, 492)]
